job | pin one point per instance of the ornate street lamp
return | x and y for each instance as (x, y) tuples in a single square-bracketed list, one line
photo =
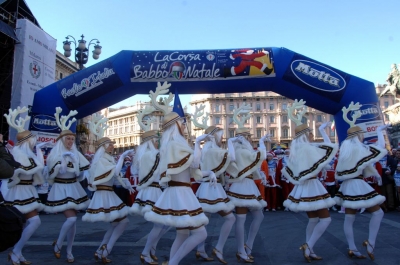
[(81, 51)]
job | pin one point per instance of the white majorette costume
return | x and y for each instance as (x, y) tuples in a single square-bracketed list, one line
[(211, 193), (356, 161), (146, 164), (105, 205), (177, 205), (244, 192), (22, 193), (67, 166), (306, 160)]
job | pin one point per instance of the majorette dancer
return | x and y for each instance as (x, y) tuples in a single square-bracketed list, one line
[(21, 192), (211, 194), (105, 205), (243, 192), (67, 166), (177, 205), (306, 160), (356, 161), (146, 164)]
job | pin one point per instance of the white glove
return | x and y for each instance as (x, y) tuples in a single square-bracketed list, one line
[(213, 178), (383, 127), (43, 145), (130, 152), (86, 174), (233, 139), (263, 178), (201, 138), (266, 138), (127, 185), (67, 154), (324, 125), (239, 139)]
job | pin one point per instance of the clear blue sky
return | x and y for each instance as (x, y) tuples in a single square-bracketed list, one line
[(360, 37)]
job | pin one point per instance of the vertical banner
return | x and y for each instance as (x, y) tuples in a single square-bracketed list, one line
[(34, 64)]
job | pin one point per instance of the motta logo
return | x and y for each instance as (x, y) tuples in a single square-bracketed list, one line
[(44, 122), (368, 112), (318, 76)]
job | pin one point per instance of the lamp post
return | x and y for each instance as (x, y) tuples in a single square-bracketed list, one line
[(81, 51), (81, 58)]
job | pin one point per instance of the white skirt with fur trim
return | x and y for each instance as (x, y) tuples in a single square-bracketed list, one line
[(65, 196), (177, 207), (213, 198), (309, 196), (145, 200), (23, 197), (246, 194), (105, 206), (357, 194)]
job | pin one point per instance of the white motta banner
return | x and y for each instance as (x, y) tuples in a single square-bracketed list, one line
[(34, 64)]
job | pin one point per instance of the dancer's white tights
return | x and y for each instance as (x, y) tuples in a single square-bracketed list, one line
[(68, 229), (197, 235), (258, 217), (225, 231), (32, 224), (319, 229), (119, 228), (348, 231), (154, 237), (239, 232), (374, 225)]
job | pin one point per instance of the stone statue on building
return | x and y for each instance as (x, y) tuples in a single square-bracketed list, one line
[(393, 81)]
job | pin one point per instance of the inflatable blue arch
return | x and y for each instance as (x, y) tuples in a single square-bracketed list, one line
[(209, 71)]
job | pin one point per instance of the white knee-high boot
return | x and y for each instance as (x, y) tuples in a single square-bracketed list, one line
[(69, 222), (374, 225), (117, 232), (32, 225), (258, 216)]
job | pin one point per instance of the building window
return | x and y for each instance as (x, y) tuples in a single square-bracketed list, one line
[(216, 107), (115, 131), (120, 121), (386, 117), (110, 132), (332, 132), (244, 99), (231, 133), (304, 120), (386, 104), (247, 121), (258, 119), (271, 106), (258, 133), (217, 120), (319, 134), (319, 118), (231, 100), (272, 132), (272, 119), (231, 107), (284, 118), (285, 133), (126, 129), (258, 106), (284, 106), (61, 75), (230, 120)]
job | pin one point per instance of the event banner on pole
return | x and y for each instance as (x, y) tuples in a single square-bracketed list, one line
[(34, 64)]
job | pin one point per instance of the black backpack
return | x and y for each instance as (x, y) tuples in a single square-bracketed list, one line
[(11, 226)]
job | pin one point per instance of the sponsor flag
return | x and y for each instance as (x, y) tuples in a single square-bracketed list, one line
[(178, 106)]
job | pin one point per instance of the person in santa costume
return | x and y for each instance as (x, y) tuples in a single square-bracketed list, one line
[(105, 205), (269, 167), (178, 206), (243, 192), (286, 185), (67, 166), (146, 164), (306, 160), (211, 194), (22, 193), (356, 162)]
